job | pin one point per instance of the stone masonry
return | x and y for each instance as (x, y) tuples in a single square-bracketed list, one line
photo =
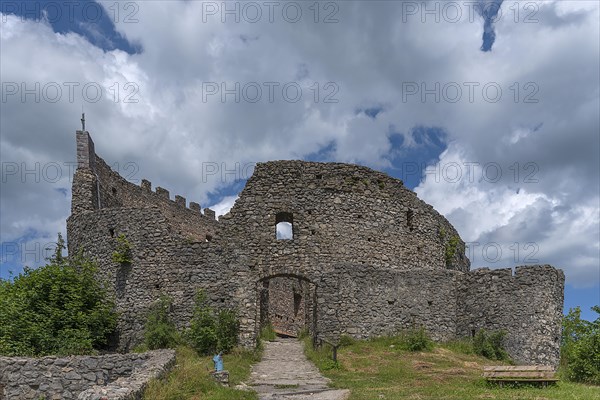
[(366, 257), (112, 376)]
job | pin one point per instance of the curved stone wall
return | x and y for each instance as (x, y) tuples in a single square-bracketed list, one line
[(341, 214)]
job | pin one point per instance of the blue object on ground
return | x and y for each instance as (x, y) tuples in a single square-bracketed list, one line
[(218, 360)]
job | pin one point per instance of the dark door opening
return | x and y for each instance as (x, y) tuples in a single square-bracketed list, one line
[(288, 304)]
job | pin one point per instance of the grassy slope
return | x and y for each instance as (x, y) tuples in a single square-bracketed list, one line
[(374, 370), (190, 380)]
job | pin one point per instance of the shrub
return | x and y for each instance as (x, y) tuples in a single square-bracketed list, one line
[(122, 254), (585, 363), (228, 328), (450, 249), (57, 309), (159, 330), (490, 345), (212, 331), (417, 340)]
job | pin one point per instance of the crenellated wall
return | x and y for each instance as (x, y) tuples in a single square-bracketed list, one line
[(96, 186)]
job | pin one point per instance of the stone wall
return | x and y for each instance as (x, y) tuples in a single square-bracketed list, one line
[(96, 186), (370, 257), (366, 302), (362, 302), (286, 304), (343, 213), (340, 214), (114, 376), (527, 305), (163, 263)]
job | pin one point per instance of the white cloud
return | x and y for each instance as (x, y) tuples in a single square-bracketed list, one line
[(506, 226), (171, 134), (223, 207)]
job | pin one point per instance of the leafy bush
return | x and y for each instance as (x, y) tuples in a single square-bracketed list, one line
[(450, 249), (417, 340), (159, 331), (212, 331), (490, 345), (228, 328), (122, 254), (60, 309), (580, 350)]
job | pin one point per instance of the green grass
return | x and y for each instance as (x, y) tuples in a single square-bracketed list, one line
[(380, 368), (267, 333), (190, 379)]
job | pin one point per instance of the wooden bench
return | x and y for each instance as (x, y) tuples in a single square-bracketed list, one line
[(520, 373)]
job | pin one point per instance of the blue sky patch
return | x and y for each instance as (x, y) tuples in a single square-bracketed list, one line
[(29, 250), (324, 154), (370, 112), (410, 158), (84, 17), (489, 10)]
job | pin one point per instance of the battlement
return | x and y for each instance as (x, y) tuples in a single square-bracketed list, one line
[(97, 186)]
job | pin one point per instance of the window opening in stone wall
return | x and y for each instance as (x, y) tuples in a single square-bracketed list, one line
[(409, 219), (111, 231), (284, 226), (114, 191), (208, 238)]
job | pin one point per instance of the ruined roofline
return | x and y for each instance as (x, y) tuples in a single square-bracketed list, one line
[(326, 165), (517, 271)]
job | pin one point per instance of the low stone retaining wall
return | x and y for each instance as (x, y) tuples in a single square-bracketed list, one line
[(106, 377)]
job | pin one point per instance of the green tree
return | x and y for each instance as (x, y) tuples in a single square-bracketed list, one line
[(580, 347), (60, 308)]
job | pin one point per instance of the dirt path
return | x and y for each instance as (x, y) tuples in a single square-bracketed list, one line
[(285, 373)]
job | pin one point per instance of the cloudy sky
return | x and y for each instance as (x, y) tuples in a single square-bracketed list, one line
[(489, 110)]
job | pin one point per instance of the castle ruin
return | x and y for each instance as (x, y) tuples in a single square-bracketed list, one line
[(365, 257)]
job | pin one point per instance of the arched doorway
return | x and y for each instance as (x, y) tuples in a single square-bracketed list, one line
[(289, 303)]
